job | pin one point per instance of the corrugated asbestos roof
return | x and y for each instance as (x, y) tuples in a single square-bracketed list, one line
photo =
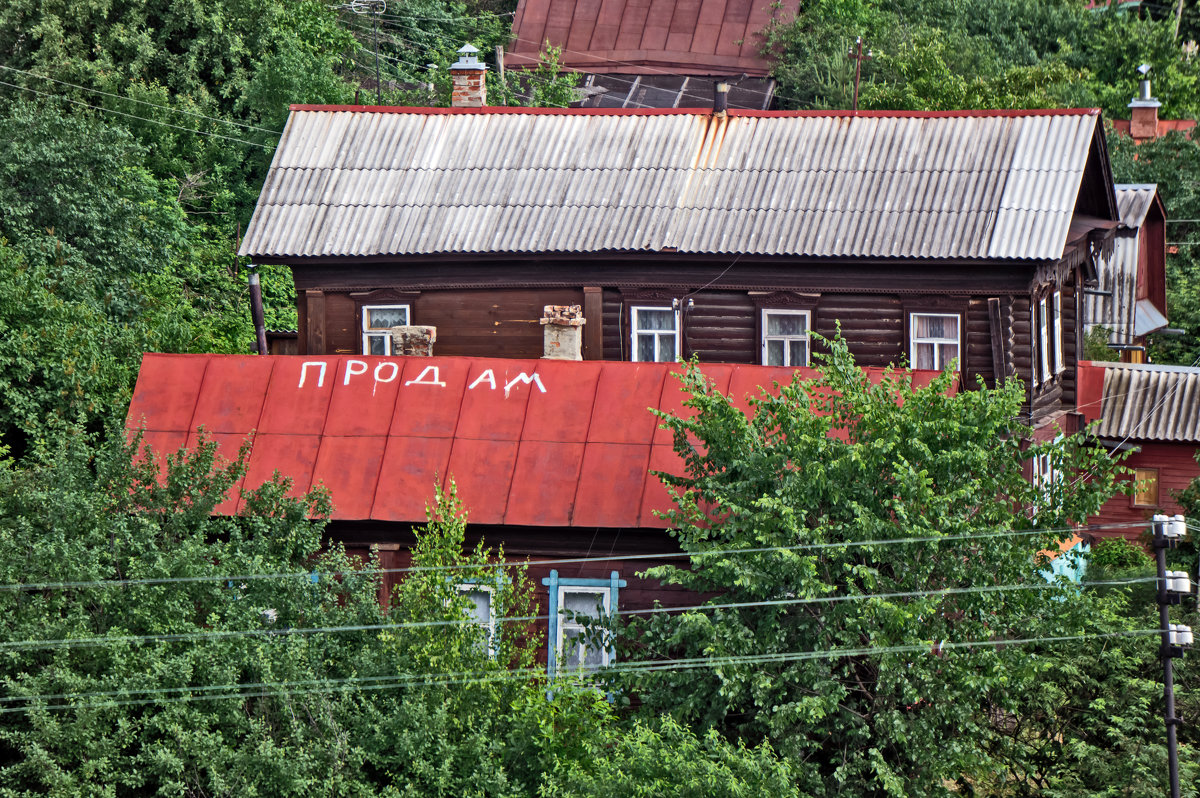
[(1150, 403), (1118, 273), (881, 185), (528, 442)]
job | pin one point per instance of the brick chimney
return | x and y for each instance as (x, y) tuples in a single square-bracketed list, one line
[(1143, 110), (563, 337), (413, 340), (470, 85)]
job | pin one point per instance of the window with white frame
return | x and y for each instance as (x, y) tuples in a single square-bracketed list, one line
[(655, 334), (481, 611), (377, 324), (1057, 331), (1044, 339), (934, 340), (573, 603), (785, 337)]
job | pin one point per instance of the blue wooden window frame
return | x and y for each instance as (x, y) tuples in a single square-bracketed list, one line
[(613, 584)]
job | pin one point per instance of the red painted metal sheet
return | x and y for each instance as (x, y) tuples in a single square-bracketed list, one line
[(483, 472), (498, 392), (229, 445), (364, 401), (611, 484), (231, 398), (582, 24), (349, 468), (157, 445), (746, 382), (564, 412), (673, 396), (705, 40), (430, 400), (655, 497), (624, 393), (569, 445), (544, 484), (411, 468), (168, 384), (293, 456), (1090, 393), (298, 397)]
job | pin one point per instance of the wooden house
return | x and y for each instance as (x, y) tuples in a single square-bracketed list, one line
[(926, 238), (941, 240), (1153, 413)]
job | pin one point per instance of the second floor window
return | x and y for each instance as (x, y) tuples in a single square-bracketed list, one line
[(377, 324), (934, 340), (785, 337), (655, 333)]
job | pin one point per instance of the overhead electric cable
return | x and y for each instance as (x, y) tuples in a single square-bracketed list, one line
[(76, 642)]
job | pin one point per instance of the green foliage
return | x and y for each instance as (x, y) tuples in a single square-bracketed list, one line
[(157, 649), (873, 463), (1095, 345)]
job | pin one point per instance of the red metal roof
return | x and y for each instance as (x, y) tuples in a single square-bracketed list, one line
[(683, 37), (528, 442)]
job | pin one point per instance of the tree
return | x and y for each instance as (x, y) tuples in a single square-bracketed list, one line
[(868, 561)]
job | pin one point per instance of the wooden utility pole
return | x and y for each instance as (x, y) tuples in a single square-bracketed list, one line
[(1178, 18), (857, 55)]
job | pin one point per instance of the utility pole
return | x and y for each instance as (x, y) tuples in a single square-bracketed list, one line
[(1178, 18), (858, 57), (1172, 587)]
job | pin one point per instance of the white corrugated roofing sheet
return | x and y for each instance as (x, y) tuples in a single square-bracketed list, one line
[(1147, 402), (424, 181)]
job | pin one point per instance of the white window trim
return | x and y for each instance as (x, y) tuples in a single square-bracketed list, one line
[(490, 627), (913, 340), (787, 349), (1044, 339), (634, 330), (367, 334), (1059, 365), (564, 622)]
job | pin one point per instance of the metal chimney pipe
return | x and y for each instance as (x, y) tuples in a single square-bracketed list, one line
[(720, 97), (1144, 89)]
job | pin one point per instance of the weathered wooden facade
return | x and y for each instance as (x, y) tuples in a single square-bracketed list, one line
[(922, 237)]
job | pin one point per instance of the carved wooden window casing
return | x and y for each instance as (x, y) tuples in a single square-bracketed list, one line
[(377, 324), (935, 340), (785, 337)]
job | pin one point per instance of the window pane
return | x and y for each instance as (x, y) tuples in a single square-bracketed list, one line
[(482, 605), (645, 348), (656, 320), (589, 604), (799, 353), (386, 318), (666, 348), (775, 353), (925, 357), (786, 324), (377, 345), (946, 353)]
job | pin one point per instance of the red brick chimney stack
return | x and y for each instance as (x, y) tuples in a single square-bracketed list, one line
[(470, 85), (1143, 110)]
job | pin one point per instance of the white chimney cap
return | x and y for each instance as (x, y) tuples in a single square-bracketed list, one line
[(1144, 69)]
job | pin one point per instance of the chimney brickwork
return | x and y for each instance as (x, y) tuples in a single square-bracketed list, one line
[(470, 81), (563, 337), (414, 340)]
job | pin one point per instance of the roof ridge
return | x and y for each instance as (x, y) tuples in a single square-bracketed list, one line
[(957, 114)]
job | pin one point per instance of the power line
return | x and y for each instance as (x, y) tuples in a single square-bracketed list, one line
[(141, 102), (467, 677), (34, 645), (108, 583), (135, 116)]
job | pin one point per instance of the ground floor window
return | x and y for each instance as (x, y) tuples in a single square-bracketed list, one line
[(785, 337), (572, 603), (377, 324), (933, 340), (655, 333)]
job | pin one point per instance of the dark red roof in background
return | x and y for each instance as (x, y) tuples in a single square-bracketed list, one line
[(682, 37), (572, 447)]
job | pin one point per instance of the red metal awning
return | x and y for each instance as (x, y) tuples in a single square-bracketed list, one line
[(528, 442)]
